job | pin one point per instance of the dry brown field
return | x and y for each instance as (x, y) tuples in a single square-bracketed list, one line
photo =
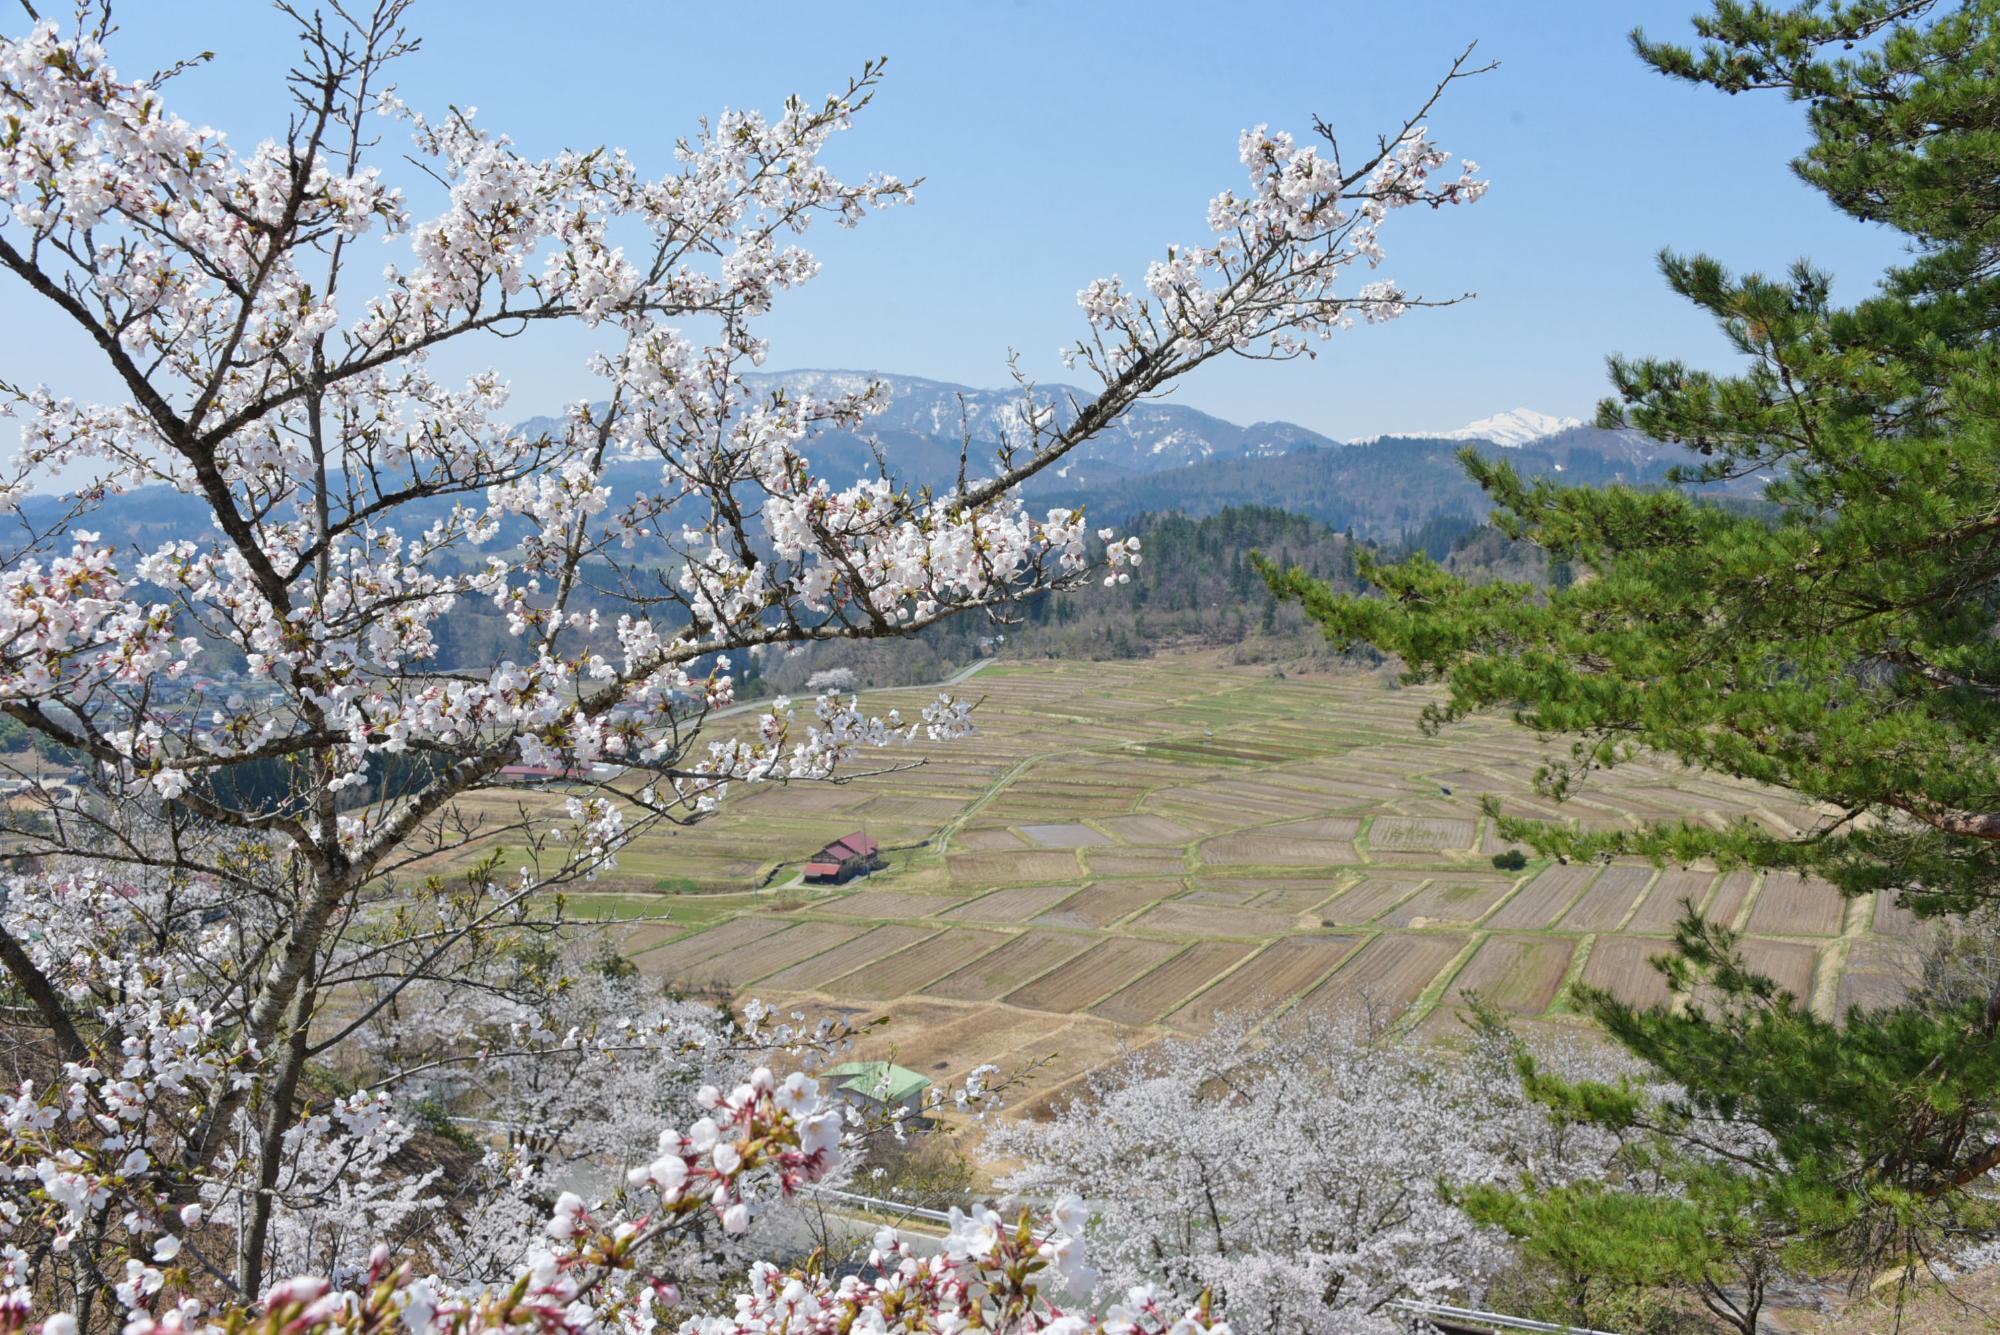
[(1095, 974), (1879, 970), (1794, 905), (1611, 896), (1790, 964), (987, 869), (767, 955), (1295, 899), (823, 969), (1543, 899), (1621, 965), (1369, 900), (910, 968), (1137, 862), (880, 904), (1275, 850), (1408, 833), (1726, 905), (1147, 829), (1152, 995), (1128, 849), (1388, 974), (1516, 973), (1448, 901), (1064, 836), (990, 840), (994, 975), (1269, 979), (1666, 901), (1182, 917), (1012, 906), (1102, 905)]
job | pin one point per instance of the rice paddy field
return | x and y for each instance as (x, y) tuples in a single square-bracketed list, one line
[(1131, 849)]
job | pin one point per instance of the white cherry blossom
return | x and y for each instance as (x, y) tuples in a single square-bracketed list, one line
[(280, 746)]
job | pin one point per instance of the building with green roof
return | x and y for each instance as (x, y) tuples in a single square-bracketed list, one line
[(881, 1083)]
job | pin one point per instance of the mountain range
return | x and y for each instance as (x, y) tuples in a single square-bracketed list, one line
[(1164, 456), (1149, 437), (1385, 491), (1161, 456), (927, 423)]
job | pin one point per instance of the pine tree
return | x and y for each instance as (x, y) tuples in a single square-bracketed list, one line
[(1837, 641)]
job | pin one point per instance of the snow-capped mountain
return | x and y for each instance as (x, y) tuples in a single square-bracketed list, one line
[(1513, 428), (928, 422), (1149, 437)]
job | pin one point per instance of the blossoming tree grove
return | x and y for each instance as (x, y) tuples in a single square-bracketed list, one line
[(1293, 1174), (191, 948)]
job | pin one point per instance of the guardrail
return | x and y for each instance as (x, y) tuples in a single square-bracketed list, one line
[(1435, 1312), (877, 1204)]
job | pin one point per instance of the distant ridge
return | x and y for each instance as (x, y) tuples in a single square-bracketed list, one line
[(1152, 435), (1161, 456), (927, 421), (1390, 490)]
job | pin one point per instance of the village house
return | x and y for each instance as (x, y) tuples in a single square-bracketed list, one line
[(880, 1085), (520, 774), (845, 858)]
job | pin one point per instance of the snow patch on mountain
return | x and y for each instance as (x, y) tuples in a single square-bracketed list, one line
[(1151, 436), (1514, 428)]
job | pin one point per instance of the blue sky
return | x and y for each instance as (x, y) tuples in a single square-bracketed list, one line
[(1065, 141)]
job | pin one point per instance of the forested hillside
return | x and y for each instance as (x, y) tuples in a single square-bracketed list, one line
[(1195, 587), (1386, 489)]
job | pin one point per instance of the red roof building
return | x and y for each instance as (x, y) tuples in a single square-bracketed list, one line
[(543, 773), (845, 858)]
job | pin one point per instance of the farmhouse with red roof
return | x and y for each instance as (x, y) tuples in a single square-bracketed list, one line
[(845, 858), (540, 773)]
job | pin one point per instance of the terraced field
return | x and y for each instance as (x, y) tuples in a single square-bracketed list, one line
[(1129, 849)]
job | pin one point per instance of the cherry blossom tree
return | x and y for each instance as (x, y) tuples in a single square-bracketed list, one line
[(1293, 1170), (245, 887)]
